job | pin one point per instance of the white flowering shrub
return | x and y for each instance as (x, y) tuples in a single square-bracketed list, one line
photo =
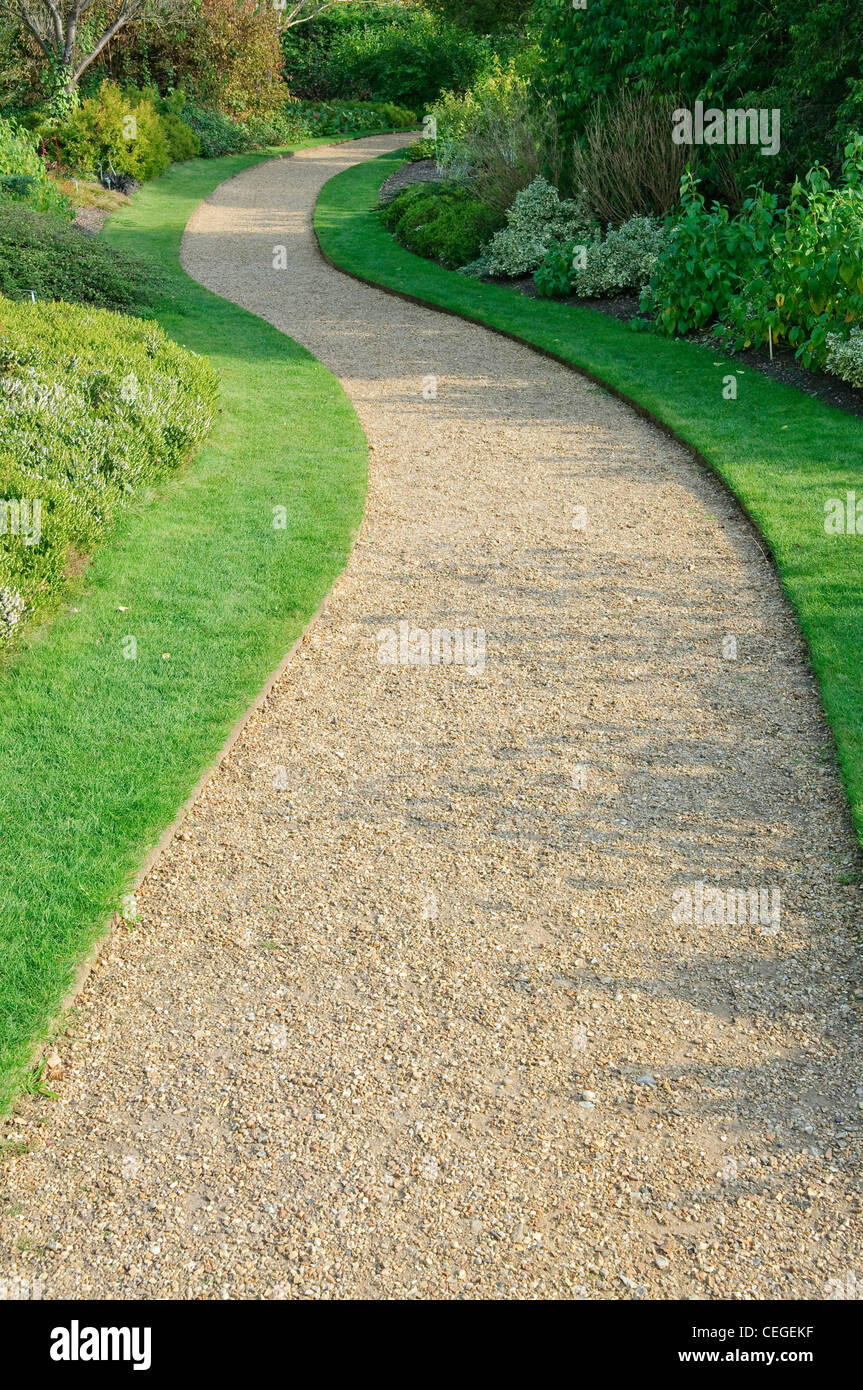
[(845, 356), (93, 406), (623, 261), (538, 219)]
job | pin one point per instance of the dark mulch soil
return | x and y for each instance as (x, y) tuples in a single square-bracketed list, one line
[(420, 171)]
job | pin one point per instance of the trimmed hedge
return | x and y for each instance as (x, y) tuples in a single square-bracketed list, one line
[(442, 221)]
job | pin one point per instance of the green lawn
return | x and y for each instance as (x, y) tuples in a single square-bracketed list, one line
[(100, 751), (781, 453)]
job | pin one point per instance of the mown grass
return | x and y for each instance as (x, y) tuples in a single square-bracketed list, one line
[(782, 453), (99, 751)]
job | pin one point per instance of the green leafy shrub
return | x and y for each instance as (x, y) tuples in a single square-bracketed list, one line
[(792, 273), (420, 149), (93, 406), (381, 52), (708, 257), (442, 221), (801, 57), (23, 174), (115, 130), (218, 134), (45, 253), (183, 143), (623, 260), (537, 220), (498, 135)]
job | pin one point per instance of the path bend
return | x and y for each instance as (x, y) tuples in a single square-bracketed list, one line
[(408, 1014)]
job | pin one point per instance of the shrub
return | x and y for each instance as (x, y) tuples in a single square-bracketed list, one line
[(792, 54), (225, 54), (93, 406), (844, 356), (793, 273), (383, 52), (420, 149), (24, 175), (442, 221), (183, 143), (537, 220), (623, 261), (218, 134), (497, 135), (626, 162), (45, 253), (707, 258), (115, 130)]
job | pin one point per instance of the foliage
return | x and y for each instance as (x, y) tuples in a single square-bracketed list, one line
[(497, 135), (183, 143), (45, 253), (23, 174), (348, 118), (483, 16), (791, 54), (224, 53), (385, 52), (626, 163), (217, 133), (792, 273), (442, 221), (623, 260), (419, 150), (92, 407), (537, 220), (844, 357), (115, 130)]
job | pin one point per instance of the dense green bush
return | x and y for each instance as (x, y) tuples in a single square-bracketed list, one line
[(183, 143), (799, 56), (383, 52), (93, 406), (538, 220), (44, 253), (115, 130), (623, 261), (218, 134), (442, 221), (23, 174), (792, 272)]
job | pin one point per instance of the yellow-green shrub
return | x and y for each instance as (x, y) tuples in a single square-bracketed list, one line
[(116, 130)]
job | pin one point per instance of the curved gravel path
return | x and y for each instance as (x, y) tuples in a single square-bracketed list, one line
[(408, 1013)]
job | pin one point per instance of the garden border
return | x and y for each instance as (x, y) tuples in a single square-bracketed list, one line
[(353, 240)]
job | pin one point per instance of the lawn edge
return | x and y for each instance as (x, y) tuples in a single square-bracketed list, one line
[(54, 1024), (759, 537)]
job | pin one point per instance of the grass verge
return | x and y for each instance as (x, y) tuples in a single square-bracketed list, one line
[(782, 454), (100, 748)]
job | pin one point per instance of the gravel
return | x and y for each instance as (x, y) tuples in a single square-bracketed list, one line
[(388, 1024)]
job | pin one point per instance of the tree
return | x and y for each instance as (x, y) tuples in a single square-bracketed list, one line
[(68, 40)]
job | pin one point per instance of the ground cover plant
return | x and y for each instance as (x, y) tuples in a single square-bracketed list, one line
[(93, 407)]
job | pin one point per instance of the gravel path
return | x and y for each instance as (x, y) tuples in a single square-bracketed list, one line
[(408, 1012)]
